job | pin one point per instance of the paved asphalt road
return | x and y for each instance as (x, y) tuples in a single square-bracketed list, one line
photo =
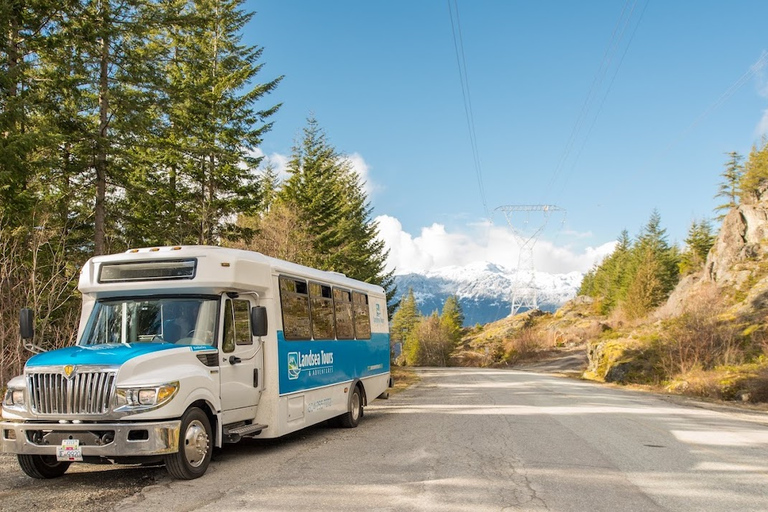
[(461, 440), (479, 439)]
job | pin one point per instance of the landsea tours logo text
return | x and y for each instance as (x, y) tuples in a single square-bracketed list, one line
[(316, 363)]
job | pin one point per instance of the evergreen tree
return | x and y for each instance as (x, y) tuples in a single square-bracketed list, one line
[(638, 275), (452, 318), (729, 188), (107, 66), (404, 320), (19, 22), (314, 189), (587, 286), (331, 201), (698, 243), (652, 270), (646, 290), (755, 174), (607, 282), (269, 185), (200, 162)]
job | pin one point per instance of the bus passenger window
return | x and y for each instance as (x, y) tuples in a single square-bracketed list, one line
[(362, 318), (342, 301), (294, 301), (321, 303)]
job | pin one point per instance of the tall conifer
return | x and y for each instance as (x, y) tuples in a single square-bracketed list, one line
[(202, 167), (330, 198), (452, 318), (406, 317)]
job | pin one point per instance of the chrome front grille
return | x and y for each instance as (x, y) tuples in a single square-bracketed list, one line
[(85, 392)]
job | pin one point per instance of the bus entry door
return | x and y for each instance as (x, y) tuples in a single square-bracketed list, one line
[(242, 362)]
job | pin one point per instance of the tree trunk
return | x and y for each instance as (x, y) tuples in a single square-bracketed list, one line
[(99, 244)]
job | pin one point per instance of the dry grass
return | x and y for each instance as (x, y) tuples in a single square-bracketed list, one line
[(745, 383), (404, 378), (699, 340)]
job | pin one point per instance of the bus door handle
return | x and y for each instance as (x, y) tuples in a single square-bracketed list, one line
[(234, 360)]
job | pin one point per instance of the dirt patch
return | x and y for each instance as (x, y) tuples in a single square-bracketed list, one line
[(568, 361)]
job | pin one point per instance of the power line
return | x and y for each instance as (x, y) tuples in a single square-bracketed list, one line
[(614, 43), (602, 101), (738, 84), (458, 44)]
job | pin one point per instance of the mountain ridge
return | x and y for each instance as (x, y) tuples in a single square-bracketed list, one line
[(483, 289)]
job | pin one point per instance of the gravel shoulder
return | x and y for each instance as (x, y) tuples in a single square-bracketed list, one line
[(85, 487)]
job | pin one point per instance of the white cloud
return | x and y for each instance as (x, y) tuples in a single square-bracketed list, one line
[(361, 167), (436, 247)]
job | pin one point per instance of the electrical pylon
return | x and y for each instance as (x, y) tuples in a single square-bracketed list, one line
[(524, 292)]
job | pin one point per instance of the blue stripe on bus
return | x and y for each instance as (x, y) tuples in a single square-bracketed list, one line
[(305, 365), (108, 355)]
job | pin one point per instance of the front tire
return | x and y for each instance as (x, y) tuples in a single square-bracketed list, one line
[(194, 455), (42, 466), (355, 410)]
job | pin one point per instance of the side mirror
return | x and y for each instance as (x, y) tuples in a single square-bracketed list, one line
[(27, 324), (259, 321)]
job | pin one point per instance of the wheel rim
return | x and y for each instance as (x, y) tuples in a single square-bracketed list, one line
[(49, 461), (195, 444), (355, 406)]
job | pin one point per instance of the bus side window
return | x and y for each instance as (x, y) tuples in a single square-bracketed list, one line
[(342, 301), (242, 313), (237, 324), (228, 345), (362, 317), (294, 301)]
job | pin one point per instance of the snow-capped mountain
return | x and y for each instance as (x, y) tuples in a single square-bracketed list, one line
[(484, 290)]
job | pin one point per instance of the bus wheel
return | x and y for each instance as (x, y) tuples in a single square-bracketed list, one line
[(42, 466), (352, 417), (195, 448)]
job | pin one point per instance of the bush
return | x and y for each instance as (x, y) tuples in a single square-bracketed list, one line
[(523, 345), (428, 344), (698, 339)]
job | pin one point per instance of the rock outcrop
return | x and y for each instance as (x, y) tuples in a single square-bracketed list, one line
[(735, 265)]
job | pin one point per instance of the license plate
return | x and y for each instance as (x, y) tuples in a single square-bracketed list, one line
[(69, 451)]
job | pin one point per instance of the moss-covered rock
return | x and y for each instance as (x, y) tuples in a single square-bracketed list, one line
[(623, 361)]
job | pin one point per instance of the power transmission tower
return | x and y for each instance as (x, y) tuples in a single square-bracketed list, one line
[(526, 232)]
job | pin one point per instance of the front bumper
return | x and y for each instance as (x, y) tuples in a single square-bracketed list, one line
[(123, 439)]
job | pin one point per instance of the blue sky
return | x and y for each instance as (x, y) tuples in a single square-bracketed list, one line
[(607, 109)]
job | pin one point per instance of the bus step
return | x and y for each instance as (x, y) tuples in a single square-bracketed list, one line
[(233, 434)]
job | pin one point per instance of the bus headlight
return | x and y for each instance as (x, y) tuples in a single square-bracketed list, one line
[(144, 398), (14, 398)]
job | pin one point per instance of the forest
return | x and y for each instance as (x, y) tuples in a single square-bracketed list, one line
[(137, 123)]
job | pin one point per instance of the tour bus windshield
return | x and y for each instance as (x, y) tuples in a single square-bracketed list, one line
[(179, 320)]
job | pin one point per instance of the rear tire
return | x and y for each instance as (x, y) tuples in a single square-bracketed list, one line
[(42, 466), (351, 418), (194, 455)]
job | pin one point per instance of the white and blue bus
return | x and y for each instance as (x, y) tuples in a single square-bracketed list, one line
[(184, 348)]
